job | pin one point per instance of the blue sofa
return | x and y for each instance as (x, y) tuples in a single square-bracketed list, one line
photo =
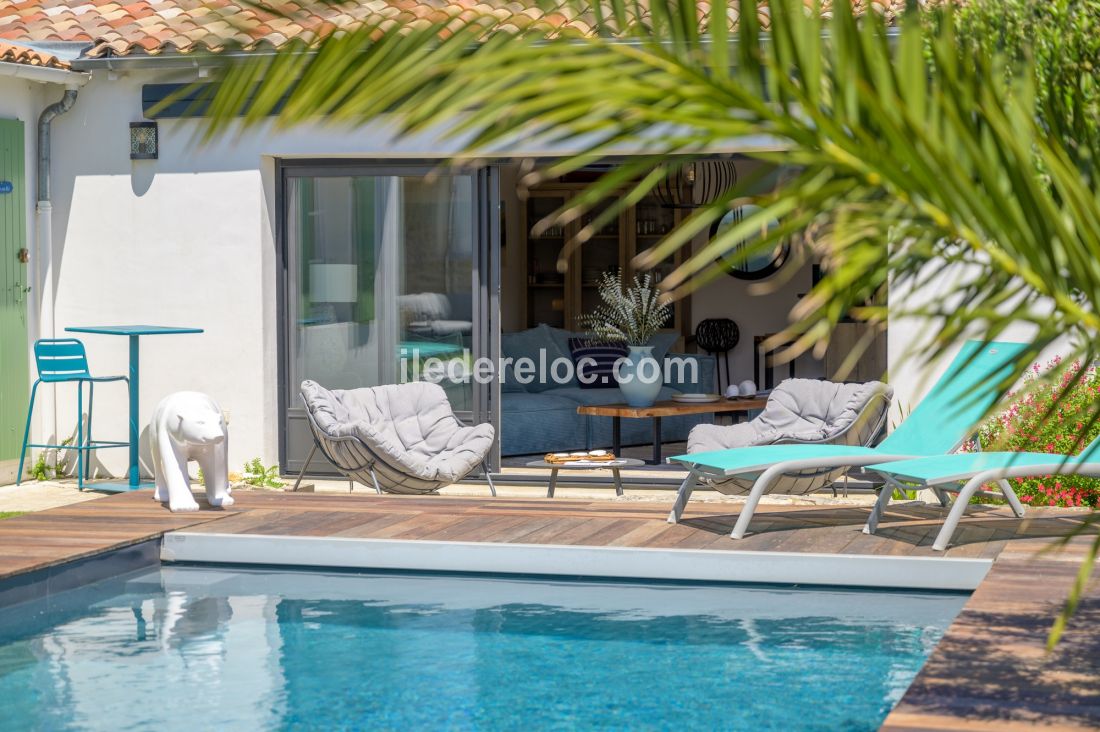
[(541, 417)]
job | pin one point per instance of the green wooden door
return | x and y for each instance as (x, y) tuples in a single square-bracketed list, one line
[(14, 390)]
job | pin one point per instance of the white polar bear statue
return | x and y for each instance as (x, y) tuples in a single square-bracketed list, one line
[(188, 426)]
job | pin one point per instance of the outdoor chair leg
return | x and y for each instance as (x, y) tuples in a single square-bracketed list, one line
[(943, 539), (759, 488), (942, 496), (884, 496), (374, 479), (305, 465), (682, 497), (80, 435), (27, 432), (88, 453), (1010, 496), (488, 477)]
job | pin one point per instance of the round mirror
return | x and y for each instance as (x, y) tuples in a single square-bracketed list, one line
[(760, 264)]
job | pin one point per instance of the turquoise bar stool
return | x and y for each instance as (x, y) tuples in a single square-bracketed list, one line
[(63, 360)]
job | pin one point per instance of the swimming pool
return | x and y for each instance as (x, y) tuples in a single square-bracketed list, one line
[(229, 649)]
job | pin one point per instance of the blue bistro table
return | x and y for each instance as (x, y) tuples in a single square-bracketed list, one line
[(133, 332)]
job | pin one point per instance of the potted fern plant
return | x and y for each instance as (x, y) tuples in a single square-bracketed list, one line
[(631, 316)]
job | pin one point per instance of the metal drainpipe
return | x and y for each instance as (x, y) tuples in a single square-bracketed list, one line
[(43, 259), (54, 110)]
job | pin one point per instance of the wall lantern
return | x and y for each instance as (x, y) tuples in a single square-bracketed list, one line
[(697, 183), (143, 141)]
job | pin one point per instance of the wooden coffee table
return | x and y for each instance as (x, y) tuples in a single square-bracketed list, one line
[(617, 412)]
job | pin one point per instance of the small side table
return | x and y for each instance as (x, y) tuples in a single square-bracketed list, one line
[(614, 466)]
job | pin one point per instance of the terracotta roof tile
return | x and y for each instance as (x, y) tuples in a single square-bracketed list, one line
[(11, 53), (126, 27)]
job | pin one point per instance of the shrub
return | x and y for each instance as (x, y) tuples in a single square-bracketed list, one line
[(1026, 426), (41, 470), (1058, 40), (255, 474)]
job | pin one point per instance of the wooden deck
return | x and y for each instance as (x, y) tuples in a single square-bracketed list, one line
[(906, 531), (47, 538), (989, 672)]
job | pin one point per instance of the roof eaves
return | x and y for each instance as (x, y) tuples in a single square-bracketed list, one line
[(35, 63), (44, 74), (163, 59)]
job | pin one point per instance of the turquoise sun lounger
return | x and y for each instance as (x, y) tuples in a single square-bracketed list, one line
[(966, 473), (943, 420)]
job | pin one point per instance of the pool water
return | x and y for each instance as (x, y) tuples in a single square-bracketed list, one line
[(185, 648)]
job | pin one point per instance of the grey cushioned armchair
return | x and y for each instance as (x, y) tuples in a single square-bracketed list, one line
[(802, 411), (399, 438)]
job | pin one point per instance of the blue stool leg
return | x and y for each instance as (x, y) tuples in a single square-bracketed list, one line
[(27, 432), (80, 435), (88, 452)]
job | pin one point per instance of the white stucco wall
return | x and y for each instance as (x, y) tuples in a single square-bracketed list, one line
[(183, 240)]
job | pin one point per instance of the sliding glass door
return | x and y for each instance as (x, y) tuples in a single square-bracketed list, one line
[(388, 278)]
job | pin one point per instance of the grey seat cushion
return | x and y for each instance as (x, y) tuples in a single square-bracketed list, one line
[(410, 428), (600, 397), (545, 401), (799, 410)]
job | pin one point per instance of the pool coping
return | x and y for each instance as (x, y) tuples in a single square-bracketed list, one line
[(41, 584), (802, 568)]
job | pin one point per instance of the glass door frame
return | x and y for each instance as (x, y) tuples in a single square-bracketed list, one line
[(485, 287)]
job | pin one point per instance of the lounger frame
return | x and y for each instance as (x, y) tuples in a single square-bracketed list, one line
[(767, 474), (967, 484)]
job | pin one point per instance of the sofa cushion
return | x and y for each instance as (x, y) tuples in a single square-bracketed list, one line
[(508, 382), (537, 402), (561, 338), (595, 362), (534, 344), (662, 343), (534, 424), (589, 397)]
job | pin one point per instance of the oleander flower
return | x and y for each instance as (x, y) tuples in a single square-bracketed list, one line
[(1025, 425)]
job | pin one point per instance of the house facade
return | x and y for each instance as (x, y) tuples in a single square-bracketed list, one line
[(321, 253)]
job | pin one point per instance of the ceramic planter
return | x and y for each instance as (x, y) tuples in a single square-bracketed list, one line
[(640, 378)]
